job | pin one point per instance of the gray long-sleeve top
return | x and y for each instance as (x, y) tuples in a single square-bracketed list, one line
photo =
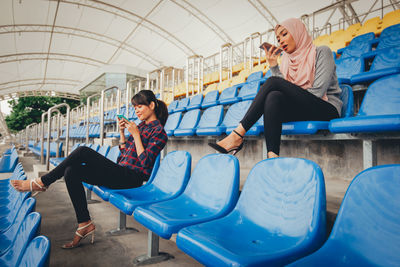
[(325, 80)]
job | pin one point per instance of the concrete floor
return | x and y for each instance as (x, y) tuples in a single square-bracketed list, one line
[(59, 224)]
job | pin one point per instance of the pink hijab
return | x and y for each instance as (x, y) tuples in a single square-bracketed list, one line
[(299, 66)]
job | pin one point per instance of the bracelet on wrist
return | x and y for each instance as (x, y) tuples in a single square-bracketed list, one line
[(122, 143)]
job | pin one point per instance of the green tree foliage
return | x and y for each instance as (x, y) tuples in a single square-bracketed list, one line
[(27, 110)]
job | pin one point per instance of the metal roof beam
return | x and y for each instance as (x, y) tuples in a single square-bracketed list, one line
[(70, 31), (264, 11), (52, 56), (126, 14)]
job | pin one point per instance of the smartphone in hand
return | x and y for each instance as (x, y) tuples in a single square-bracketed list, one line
[(120, 116), (268, 46)]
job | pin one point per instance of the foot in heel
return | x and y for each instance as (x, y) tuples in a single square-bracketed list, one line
[(80, 234), (229, 144)]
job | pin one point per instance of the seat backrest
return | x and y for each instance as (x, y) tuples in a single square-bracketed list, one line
[(113, 154), (95, 147), (255, 76), (390, 31), (229, 92), (347, 101), (389, 41), (382, 97), (356, 50), (361, 39), (28, 230), (183, 103), (174, 172), (211, 97), (249, 88), (388, 58), (286, 196), (172, 105), (211, 117), (369, 215), (13, 159), (235, 113), (155, 169), (214, 182), (173, 121), (37, 253), (190, 119), (75, 146), (196, 100), (347, 67), (104, 150), (268, 74)]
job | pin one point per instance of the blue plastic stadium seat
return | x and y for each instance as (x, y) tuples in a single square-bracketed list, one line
[(172, 106), (56, 161), (8, 234), (211, 118), (249, 90), (37, 253), (255, 76), (189, 122), (356, 42), (8, 162), (234, 115), (280, 217), (169, 182), (211, 193), (104, 150), (195, 102), (379, 111), (172, 123), (268, 74), (347, 67), (391, 30), (312, 127), (389, 41), (28, 230), (105, 192), (210, 99), (386, 62), (182, 104), (358, 46), (95, 147), (366, 230), (229, 95)]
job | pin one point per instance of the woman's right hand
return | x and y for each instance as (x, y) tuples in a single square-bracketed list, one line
[(272, 58)]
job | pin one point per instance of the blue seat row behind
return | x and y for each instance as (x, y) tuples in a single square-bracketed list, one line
[(20, 244)]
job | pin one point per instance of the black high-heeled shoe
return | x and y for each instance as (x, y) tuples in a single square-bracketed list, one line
[(222, 150)]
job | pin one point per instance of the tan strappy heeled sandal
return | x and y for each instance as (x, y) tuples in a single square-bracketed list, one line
[(71, 244), (31, 189)]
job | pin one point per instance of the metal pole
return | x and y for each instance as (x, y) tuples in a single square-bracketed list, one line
[(102, 113), (148, 81), (42, 139), (187, 77), (87, 115), (49, 111)]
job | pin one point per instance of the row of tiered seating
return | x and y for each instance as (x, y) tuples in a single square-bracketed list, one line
[(20, 243), (360, 64), (378, 113), (54, 147), (203, 207), (341, 38)]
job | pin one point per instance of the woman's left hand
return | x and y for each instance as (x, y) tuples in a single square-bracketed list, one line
[(132, 127)]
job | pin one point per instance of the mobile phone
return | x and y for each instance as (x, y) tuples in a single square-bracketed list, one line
[(120, 116), (268, 46)]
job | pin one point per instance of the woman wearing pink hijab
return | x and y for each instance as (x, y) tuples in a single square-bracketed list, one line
[(304, 87)]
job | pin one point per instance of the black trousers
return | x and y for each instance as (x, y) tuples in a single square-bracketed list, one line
[(282, 101), (86, 165)]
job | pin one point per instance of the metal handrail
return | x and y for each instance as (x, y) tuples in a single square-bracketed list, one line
[(49, 112), (102, 112), (87, 115)]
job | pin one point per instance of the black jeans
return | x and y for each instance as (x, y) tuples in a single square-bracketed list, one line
[(86, 165), (282, 101)]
